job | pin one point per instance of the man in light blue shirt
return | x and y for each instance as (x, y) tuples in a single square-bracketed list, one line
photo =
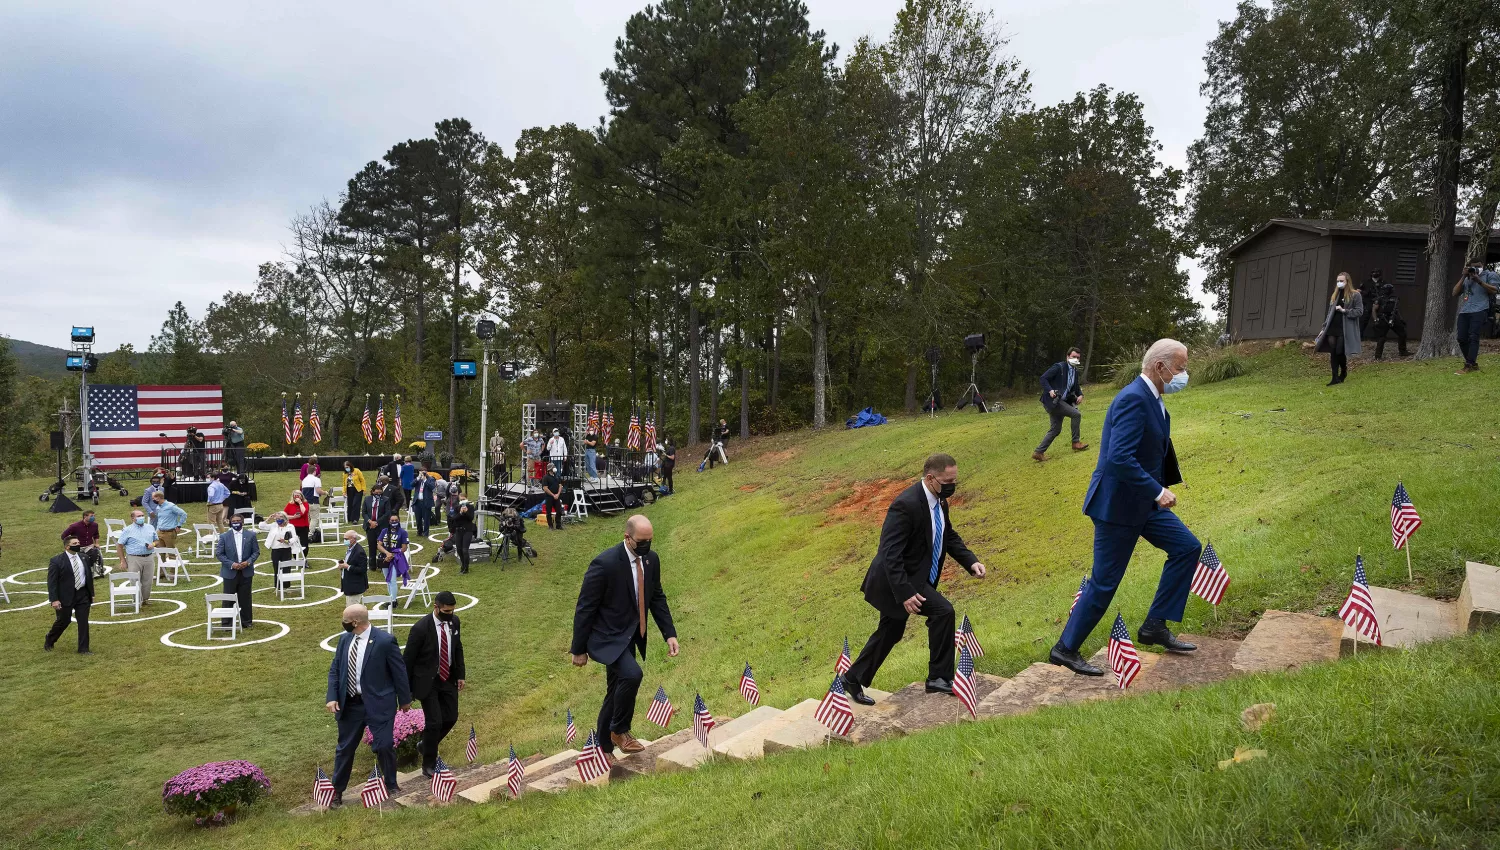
[(136, 550), (169, 520), (1475, 291), (218, 511)]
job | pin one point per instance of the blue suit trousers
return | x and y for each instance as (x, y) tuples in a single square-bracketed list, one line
[(1113, 546)]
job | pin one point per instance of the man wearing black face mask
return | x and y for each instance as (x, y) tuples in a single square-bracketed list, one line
[(70, 589), (435, 661), (903, 577)]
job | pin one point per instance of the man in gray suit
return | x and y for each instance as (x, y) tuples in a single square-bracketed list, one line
[(237, 550)]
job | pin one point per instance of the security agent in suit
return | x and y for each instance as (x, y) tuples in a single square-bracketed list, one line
[(237, 550), (435, 662), (70, 589), (376, 514), (609, 624), (902, 579), (366, 693), (1060, 397), (1128, 499), (354, 569)]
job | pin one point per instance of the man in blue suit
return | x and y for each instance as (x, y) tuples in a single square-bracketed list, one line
[(421, 502), (237, 550), (366, 681), (1128, 499)]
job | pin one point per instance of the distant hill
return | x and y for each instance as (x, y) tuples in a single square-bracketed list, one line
[(44, 361)]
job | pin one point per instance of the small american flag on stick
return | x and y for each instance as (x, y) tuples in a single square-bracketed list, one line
[(965, 637), (592, 762), (374, 793), (471, 749), (515, 774), (963, 681), (1359, 609), (1210, 579), (834, 711), (661, 710), (748, 690), (841, 666), (1123, 659), (443, 782), (1404, 519), (323, 791), (703, 722), (572, 733), (1083, 583)]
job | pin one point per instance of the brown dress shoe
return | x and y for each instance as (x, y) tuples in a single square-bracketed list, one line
[(626, 742), (1038, 456), (1078, 447)]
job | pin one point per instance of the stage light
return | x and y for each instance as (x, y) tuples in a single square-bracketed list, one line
[(82, 363), (509, 370), (485, 329), (465, 368), (974, 342), (84, 335)]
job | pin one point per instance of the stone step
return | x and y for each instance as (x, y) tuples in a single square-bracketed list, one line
[(1406, 620), (1212, 662), (1283, 640), (1479, 601), (751, 744), (643, 763), (690, 754), (1042, 685), (912, 709), (482, 792), (807, 732), (563, 779)]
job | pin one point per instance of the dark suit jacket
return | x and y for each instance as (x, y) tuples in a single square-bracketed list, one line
[(1056, 378), (377, 508), (356, 579), (60, 581), (421, 656), (606, 622), (903, 562), (421, 490), (224, 551), (1136, 458), (382, 676)]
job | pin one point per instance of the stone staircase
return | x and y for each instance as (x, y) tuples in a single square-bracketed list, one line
[(1279, 641)]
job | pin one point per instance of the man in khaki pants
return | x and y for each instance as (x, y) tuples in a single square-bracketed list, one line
[(137, 552)]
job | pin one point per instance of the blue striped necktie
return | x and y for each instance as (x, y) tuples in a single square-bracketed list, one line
[(937, 541)]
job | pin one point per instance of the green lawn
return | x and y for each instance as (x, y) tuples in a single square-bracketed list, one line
[(762, 562)]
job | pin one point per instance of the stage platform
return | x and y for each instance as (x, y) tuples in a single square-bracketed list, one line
[(606, 495)]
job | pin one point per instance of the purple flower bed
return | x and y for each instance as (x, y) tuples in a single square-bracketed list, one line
[(208, 788), (407, 733)]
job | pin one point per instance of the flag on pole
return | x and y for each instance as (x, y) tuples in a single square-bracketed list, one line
[(1359, 609), (374, 793), (471, 749), (661, 710), (703, 722), (297, 420), (286, 423), (593, 418), (1404, 519), (748, 690), (315, 423), (1082, 583), (609, 421), (443, 782), (380, 419), (323, 791), (633, 435), (834, 711), (1210, 578), (963, 681), (965, 637), (1123, 658), (650, 432), (592, 762), (364, 423), (515, 774), (841, 666), (396, 423), (572, 733)]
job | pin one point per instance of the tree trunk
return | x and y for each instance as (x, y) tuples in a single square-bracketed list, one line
[(1437, 334), (421, 341), (819, 368), (775, 364), (695, 365), (911, 387), (716, 369), (453, 435), (744, 389), (1088, 354)]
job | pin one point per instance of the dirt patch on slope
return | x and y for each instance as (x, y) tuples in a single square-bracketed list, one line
[(868, 498), (775, 458)]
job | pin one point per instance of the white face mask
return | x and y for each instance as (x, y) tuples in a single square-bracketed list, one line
[(1341, 284), (1074, 361)]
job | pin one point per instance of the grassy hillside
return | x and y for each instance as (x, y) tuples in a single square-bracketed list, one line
[(762, 562)]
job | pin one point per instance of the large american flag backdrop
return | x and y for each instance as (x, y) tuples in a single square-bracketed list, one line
[(125, 421)]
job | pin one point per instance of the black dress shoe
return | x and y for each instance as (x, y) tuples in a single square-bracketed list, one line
[(858, 694), (1070, 659), (939, 686), (84, 652), (1156, 632), (338, 802), (427, 773), (46, 647)]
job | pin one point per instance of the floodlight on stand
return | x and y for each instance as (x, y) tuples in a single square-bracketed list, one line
[(464, 368), (83, 335), (509, 369), (974, 342), (485, 329)]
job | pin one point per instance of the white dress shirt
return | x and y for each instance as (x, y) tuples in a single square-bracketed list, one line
[(239, 546), (1163, 405), (77, 571), (362, 641)]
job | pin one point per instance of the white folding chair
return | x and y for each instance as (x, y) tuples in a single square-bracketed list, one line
[(418, 587), (247, 514), (204, 537), (336, 493), (381, 617), (579, 510), (328, 525), (113, 529), (169, 566), (296, 573), (124, 586), (3, 594), (228, 617)]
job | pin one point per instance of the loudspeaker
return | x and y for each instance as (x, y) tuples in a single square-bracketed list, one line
[(553, 414), (57, 441)]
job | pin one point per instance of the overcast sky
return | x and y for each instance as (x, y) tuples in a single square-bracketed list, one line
[(154, 152)]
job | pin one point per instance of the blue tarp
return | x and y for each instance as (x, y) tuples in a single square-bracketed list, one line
[(864, 418)]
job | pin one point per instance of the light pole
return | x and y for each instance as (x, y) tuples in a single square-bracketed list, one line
[(485, 330)]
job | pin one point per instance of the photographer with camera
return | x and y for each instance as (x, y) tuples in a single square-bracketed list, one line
[(1476, 291)]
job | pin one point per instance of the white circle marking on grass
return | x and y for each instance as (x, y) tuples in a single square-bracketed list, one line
[(167, 638)]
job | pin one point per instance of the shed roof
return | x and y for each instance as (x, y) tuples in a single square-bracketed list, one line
[(1343, 227)]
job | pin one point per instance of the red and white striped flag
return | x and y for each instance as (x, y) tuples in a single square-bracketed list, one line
[(315, 423), (593, 762), (374, 793), (964, 637), (1210, 578), (1082, 583), (1404, 519), (703, 722), (297, 420), (841, 666), (380, 419), (471, 749), (364, 424), (130, 425), (748, 689), (323, 791), (963, 681), (515, 774), (396, 424), (834, 711), (661, 710), (286, 423), (572, 733), (1123, 659), (443, 782), (1359, 609), (633, 434)]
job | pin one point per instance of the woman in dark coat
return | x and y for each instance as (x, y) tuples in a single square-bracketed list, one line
[(1340, 335)]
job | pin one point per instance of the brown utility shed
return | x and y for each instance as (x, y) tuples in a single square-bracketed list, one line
[(1284, 272)]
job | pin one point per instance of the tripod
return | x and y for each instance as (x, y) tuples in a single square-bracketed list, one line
[(932, 394), (971, 392)]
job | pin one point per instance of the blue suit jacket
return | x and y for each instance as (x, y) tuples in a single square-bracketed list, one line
[(224, 551), (382, 676), (1136, 459), (1056, 378)]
